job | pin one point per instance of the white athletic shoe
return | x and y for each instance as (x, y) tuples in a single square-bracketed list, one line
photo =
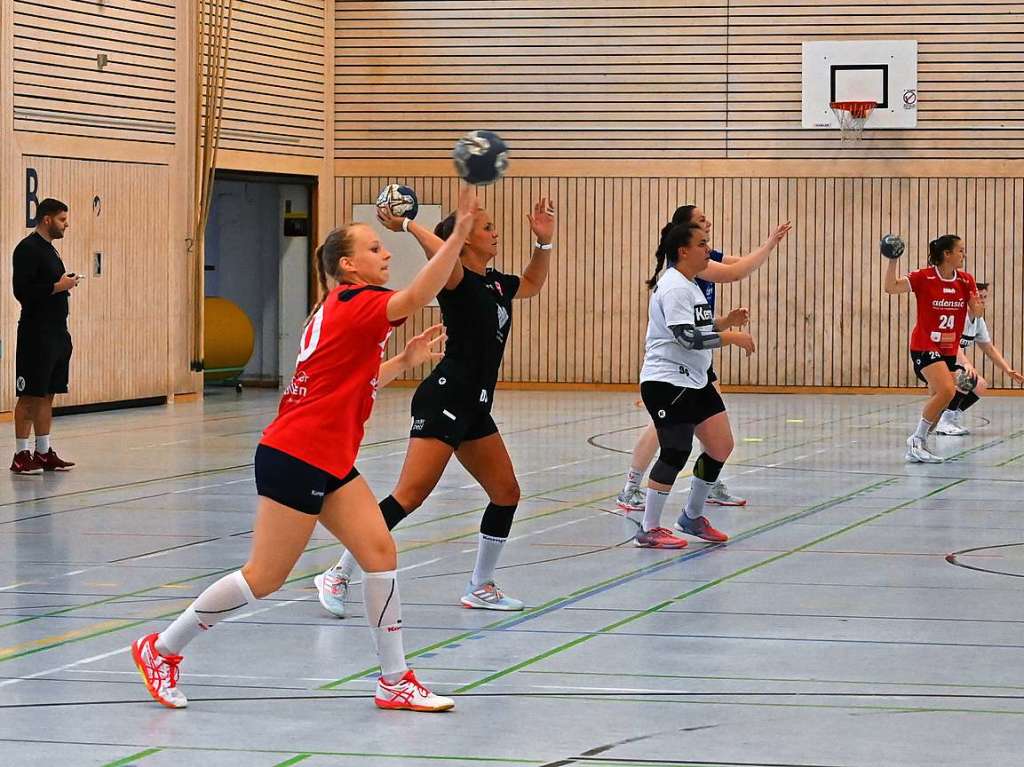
[(632, 501), (332, 589), (720, 496), (958, 417), (159, 672), (409, 695), (487, 596), (918, 452), (948, 425)]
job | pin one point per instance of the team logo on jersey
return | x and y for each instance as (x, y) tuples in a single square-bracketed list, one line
[(949, 290), (503, 317), (496, 287), (297, 388)]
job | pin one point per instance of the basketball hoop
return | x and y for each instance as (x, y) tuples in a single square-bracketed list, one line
[(852, 115)]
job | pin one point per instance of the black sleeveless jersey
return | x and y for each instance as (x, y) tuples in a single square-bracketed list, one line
[(478, 316)]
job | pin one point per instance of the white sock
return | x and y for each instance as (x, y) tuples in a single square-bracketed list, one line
[(699, 490), (487, 552), (220, 600), (653, 508), (346, 566), (21, 445), (42, 444), (923, 428), (633, 479), (384, 617)]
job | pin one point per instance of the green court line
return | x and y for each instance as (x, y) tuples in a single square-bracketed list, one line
[(133, 758), (700, 589), (821, 506), (293, 760)]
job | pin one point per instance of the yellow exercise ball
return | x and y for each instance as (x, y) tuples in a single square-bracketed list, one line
[(228, 337)]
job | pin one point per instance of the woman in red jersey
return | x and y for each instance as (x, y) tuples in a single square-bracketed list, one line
[(304, 462), (944, 293)]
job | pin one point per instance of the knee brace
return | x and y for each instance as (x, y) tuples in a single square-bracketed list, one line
[(670, 462), (497, 520), (707, 468)]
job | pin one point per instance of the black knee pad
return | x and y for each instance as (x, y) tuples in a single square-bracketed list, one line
[(707, 468), (497, 520), (670, 462)]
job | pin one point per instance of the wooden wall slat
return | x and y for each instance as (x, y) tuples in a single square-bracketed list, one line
[(818, 312)]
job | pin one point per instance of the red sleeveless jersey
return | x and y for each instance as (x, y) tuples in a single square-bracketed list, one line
[(941, 310), (325, 407)]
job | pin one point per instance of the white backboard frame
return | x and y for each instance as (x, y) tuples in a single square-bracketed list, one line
[(406, 254), (884, 71)]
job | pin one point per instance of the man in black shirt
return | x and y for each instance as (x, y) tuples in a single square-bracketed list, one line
[(43, 354)]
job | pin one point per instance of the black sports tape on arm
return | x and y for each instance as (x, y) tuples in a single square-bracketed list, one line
[(692, 338)]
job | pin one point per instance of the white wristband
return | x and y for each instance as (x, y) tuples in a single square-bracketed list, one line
[(405, 224), (538, 246)]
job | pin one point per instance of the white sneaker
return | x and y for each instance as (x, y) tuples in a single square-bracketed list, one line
[(409, 695), (632, 501), (958, 419), (487, 596), (918, 452), (720, 496), (948, 426), (332, 589)]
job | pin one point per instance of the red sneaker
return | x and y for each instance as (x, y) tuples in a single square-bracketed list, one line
[(658, 538), (701, 528), (159, 672), (26, 463), (50, 461)]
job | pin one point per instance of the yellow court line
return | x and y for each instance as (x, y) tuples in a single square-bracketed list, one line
[(73, 634)]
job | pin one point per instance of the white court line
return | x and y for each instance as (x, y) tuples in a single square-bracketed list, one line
[(207, 487), (66, 666), (266, 609), (538, 532), (15, 585)]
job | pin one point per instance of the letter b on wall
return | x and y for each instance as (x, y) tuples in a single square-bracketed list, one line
[(31, 198)]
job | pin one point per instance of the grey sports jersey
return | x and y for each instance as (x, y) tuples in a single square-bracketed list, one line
[(676, 301), (975, 330)]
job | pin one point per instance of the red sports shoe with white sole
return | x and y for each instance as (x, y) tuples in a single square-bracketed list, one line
[(159, 672), (407, 694)]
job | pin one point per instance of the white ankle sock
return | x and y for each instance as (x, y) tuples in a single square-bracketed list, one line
[(923, 427), (220, 600), (384, 617), (21, 445), (346, 566), (487, 553), (633, 479), (653, 508), (42, 444)]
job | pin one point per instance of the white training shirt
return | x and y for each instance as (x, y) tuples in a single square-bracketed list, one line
[(676, 301), (975, 330)]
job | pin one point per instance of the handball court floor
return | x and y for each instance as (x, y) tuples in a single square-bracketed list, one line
[(835, 628)]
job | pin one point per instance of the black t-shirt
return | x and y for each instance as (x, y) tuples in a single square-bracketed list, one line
[(478, 316), (37, 266)]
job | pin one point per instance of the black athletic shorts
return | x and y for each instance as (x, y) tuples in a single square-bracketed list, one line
[(924, 359), (712, 375), (447, 409), (669, 404), (294, 483), (42, 361)]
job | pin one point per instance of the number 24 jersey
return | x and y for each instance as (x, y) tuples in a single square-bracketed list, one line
[(941, 309)]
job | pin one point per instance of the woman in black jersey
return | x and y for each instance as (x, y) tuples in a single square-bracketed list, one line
[(451, 409)]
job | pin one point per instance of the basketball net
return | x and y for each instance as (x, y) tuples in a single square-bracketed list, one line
[(852, 115)]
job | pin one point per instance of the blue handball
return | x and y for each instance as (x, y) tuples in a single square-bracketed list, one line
[(481, 157), (892, 246)]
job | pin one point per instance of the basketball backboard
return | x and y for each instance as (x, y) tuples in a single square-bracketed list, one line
[(883, 71)]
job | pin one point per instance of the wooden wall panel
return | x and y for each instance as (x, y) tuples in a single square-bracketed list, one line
[(274, 92), (59, 86), (818, 311), (652, 79), (119, 321)]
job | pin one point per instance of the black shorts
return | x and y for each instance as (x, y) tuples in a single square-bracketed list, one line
[(294, 483), (42, 362), (924, 359), (712, 375), (671, 405), (446, 409)]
